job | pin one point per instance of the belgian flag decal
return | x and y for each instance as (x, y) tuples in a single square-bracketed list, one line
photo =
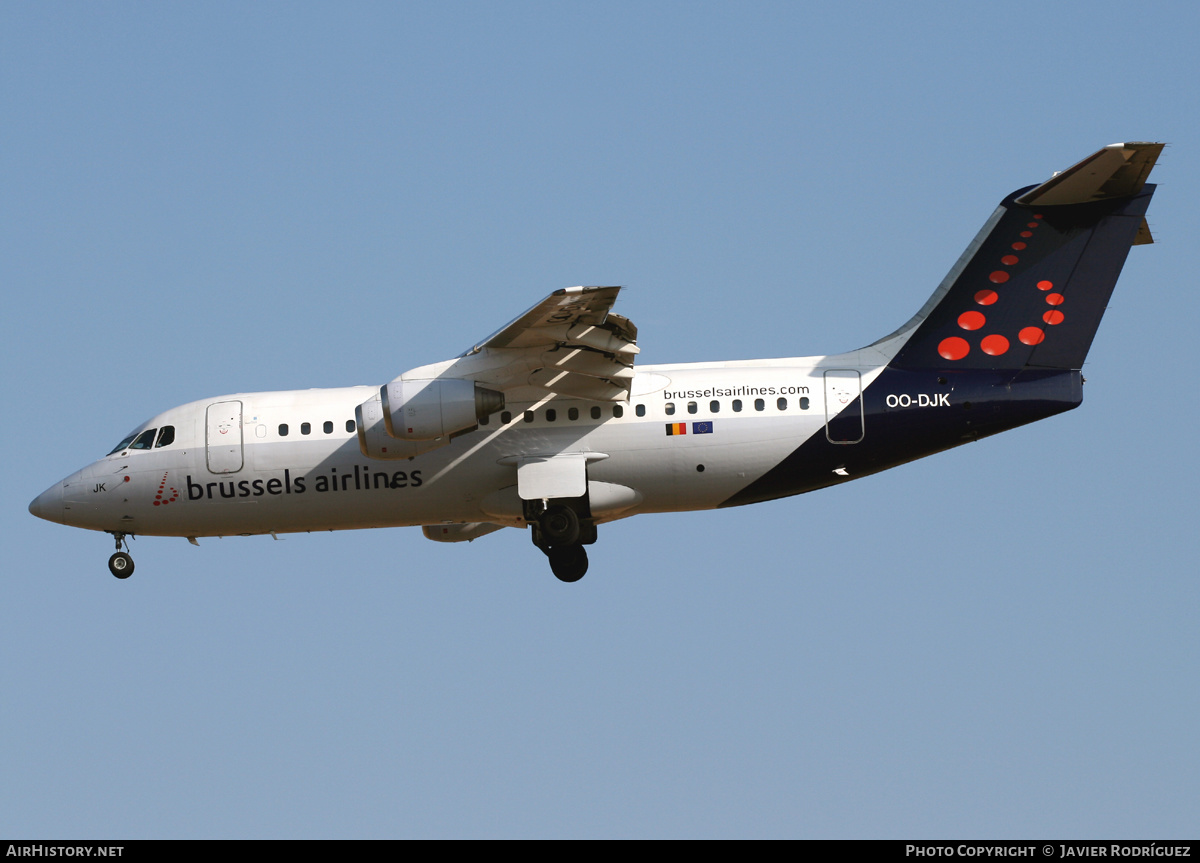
[(676, 428)]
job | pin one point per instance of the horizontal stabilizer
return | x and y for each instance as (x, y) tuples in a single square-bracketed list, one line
[(1117, 171)]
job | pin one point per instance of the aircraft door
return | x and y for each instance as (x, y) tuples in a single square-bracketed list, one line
[(223, 437), (844, 421)]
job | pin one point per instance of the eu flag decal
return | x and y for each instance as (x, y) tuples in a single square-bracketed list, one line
[(676, 428), (702, 428)]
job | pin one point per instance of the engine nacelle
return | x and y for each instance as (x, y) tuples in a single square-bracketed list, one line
[(428, 410), (375, 442)]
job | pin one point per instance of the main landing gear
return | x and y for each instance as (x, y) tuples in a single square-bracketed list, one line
[(568, 563), (560, 534), (120, 564)]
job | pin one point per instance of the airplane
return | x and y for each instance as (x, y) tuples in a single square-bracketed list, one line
[(547, 425)]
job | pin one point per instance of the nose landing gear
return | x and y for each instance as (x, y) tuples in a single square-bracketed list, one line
[(121, 563)]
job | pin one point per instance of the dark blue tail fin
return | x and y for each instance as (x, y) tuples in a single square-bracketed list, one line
[(1030, 290)]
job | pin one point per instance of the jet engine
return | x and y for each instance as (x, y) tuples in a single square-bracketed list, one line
[(428, 410), (375, 442)]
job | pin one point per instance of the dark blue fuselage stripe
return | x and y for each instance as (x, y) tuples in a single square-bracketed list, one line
[(911, 414)]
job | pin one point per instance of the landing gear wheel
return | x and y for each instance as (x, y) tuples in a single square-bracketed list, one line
[(569, 562), (560, 526), (121, 565)]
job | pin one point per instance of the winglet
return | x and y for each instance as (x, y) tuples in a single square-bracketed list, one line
[(1117, 171)]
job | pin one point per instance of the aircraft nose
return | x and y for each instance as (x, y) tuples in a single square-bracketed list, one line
[(49, 504)]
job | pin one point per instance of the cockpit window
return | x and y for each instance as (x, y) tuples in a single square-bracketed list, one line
[(166, 437), (145, 440), (124, 443)]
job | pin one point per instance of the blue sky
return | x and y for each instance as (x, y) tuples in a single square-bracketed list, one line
[(996, 641)]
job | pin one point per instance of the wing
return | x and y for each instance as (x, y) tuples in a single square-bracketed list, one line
[(569, 344)]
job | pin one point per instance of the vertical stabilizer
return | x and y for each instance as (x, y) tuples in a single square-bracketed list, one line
[(1032, 289)]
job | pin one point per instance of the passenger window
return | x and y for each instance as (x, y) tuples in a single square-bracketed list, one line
[(737, 406), (327, 427), (692, 408), (166, 437), (618, 411), (144, 441), (595, 412), (573, 414), (781, 404), (283, 429), (551, 415), (670, 408), (505, 417), (640, 410), (759, 405), (350, 425), (305, 428), (803, 403), (714, 406), (528, 416)]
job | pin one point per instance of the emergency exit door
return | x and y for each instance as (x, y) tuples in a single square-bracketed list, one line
[(223, 437), (843, 406)]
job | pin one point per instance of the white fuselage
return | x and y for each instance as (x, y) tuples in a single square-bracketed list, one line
[(290, 461), (546, 423)]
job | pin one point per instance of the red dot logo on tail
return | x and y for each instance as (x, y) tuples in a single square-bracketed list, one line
[(953, 348), (994, 345), (971, 320)]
